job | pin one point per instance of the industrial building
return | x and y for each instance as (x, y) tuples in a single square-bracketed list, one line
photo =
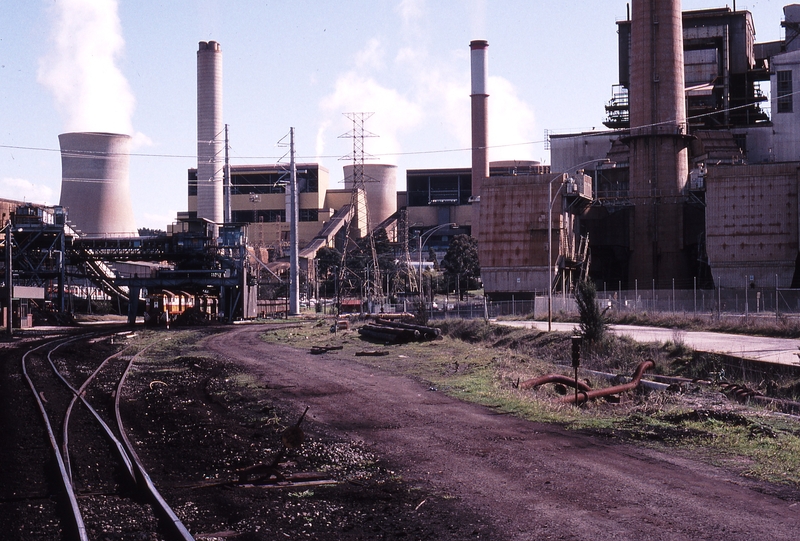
[(696, 182), (693, 184)]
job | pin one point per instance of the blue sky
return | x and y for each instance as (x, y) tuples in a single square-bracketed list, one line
[(130, 66)]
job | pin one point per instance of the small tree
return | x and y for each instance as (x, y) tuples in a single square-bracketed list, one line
[(461, 260), (593, 325)]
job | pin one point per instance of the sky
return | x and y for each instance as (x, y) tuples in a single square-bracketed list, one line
[(129, 66)]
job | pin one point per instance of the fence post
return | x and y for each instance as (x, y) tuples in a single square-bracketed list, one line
[(673, 295), (745, 299), (777, 318)]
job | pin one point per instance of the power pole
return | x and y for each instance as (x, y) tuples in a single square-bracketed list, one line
[(294, 282), (227, 182), (9, 283)]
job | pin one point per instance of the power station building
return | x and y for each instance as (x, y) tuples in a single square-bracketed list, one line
[(696, 182)]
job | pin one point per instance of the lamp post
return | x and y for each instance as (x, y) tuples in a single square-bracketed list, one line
[(551, 200), (423, 238)]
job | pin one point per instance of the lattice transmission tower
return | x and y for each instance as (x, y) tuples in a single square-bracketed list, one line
[(360, 225)]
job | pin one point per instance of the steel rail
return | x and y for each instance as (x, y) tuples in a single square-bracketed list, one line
[(80, 527), (133, 465), (143, 478), (79, 395)]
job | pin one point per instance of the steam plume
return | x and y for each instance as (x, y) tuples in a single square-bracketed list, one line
[(80, 70)]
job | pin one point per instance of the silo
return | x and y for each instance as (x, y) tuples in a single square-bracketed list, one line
[(480, 124), (210, 132), (659, 164), (380, 185), (95, 184)]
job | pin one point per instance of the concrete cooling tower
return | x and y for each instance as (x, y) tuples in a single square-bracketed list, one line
[(94, 182), (380, 185), (210, 132)]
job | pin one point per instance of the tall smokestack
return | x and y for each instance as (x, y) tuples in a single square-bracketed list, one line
[(659, 165), (210, 132), (95, 182), (480, 125)]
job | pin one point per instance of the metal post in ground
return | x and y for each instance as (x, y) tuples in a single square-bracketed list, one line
[(745, 299), (673, 295), (777, 318)]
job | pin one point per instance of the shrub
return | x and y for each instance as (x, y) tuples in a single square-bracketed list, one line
[(593, 325)]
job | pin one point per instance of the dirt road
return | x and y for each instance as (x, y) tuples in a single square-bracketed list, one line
[(531, 481)]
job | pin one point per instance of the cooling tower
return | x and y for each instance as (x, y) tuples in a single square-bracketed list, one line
[(94, 182), (210, 132), (380, 185), (480, 125), (659, 161)]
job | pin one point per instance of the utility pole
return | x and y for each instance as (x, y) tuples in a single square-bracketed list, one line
[(227, 181), (294, 282), (9, 283)]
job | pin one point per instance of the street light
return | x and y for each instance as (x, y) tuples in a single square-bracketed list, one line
[(551, 199), (422, 241)]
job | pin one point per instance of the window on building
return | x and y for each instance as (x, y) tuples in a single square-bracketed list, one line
[(308, 215), (785, 91), (308, 181), (258, 183), (254, 216), (272, 215)]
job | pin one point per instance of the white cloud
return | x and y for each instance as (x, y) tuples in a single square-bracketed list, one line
[(511, 122), (435, 98), (411, 10), (19, 189), (393, 113), (371, 56)]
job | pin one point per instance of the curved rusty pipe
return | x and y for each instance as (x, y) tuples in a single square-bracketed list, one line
[(585, 396), (553, 378)]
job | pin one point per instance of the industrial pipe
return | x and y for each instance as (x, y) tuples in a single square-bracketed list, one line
[(585, 396), (554, 378)]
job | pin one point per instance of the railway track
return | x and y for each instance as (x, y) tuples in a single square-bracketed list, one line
[(102, 491)]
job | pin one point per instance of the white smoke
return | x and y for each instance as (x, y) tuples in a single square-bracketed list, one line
[(81, 69)]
